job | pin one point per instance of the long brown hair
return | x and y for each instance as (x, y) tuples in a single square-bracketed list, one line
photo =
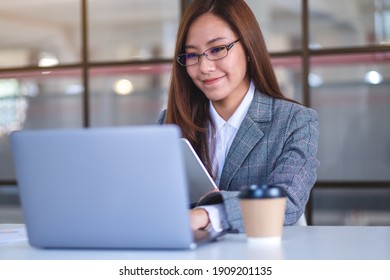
[(188, 107)]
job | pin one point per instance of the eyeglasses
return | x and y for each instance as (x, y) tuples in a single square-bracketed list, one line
[(214, 53)]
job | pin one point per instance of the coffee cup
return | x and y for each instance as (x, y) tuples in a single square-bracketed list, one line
[(263, 208)]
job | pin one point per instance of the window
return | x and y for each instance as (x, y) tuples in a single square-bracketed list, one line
[(83, 63)]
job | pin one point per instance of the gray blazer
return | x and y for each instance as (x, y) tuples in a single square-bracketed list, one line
[(275, 144)]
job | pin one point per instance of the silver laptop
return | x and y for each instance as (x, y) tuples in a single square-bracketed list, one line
[(104, 188)]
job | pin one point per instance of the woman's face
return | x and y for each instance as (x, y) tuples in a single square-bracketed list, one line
[(223, 81)]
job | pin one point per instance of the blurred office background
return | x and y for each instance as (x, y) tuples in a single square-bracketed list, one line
[(93, 63)]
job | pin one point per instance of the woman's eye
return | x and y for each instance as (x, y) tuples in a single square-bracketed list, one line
[(191, 55), (217, 49)]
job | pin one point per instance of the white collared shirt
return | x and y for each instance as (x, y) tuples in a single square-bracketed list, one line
[(225, 131), (220, 143)]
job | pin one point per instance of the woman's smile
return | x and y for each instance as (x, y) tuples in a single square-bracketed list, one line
[(212, 81)]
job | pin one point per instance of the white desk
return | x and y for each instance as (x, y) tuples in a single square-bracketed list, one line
[(315, 242)]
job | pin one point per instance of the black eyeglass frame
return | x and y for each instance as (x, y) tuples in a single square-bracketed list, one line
[(228, 47)]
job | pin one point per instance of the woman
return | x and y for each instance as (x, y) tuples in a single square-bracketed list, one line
[(225, 98)]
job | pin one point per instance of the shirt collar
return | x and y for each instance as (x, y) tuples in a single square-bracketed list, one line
[(238, 116)]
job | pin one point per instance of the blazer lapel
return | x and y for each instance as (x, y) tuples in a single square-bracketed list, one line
[(248, 135)]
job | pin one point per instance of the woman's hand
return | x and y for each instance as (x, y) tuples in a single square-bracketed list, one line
[(199, 218)]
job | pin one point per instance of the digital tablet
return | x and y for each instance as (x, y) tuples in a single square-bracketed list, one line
[(199, 180)]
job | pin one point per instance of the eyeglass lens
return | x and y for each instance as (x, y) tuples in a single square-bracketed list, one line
[(213, 53)]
